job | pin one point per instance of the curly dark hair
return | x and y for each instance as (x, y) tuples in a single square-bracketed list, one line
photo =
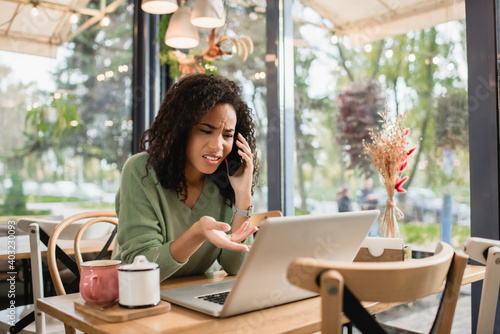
[(185, 102)]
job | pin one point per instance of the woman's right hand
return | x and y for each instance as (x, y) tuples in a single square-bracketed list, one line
[(215, 232)]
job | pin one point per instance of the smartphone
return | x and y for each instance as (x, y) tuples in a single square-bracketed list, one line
[(234, 160)]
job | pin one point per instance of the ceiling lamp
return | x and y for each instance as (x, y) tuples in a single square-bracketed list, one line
[(73, 18), (34, 10), (181, 34), (105, 21), (159, 6), (208, 14)]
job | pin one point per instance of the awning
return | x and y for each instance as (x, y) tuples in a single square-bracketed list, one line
[(365, 21), (40, 35)]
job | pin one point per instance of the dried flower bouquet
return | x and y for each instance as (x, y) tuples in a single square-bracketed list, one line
[(389, 154)]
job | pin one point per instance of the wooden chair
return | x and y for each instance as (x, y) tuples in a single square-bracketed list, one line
[(342, 285), (29, 318), (93, 217), (486, 251)]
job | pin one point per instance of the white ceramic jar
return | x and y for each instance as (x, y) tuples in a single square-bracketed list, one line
[(139, 283)]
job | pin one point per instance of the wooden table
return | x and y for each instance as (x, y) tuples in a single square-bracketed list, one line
[(23, 246), (298, 317)]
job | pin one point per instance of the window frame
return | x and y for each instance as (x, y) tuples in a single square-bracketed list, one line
[(484, 133)]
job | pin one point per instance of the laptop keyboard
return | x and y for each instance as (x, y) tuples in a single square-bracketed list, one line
[(218, 298)]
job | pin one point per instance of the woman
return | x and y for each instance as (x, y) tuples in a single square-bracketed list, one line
[(177, 202)]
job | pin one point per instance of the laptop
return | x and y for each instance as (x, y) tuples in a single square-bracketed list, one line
[(262, 282)]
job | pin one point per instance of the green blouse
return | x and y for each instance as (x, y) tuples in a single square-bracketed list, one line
[(151, 217)]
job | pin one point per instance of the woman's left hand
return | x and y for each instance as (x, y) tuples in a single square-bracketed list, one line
[(243, 232), (241, 181), (231, 241)]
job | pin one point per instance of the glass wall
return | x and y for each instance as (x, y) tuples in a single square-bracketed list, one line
[(343, 83), (250, 74), (249, 19), (340, 89), (66, 122)]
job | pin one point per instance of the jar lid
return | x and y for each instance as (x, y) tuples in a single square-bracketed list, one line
[(101, 263), (140, 264)]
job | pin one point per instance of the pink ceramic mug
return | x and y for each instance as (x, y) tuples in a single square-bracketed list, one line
[(99, 281)]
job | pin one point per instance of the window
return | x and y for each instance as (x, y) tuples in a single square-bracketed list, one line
[(248, 19), (343, 78), (66, 122), (341, 86)]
